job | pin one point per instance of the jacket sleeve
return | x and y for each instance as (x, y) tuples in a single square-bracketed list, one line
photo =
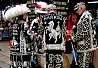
[(85, 29), (35, 20)]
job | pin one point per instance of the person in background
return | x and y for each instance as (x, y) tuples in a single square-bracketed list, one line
[(39, 11), (72, 22), (96, 51), (36, 23), (54, 31), (17, 19), (71, 30), (51, 19), (35, 36), (84, 36), (97, 26)]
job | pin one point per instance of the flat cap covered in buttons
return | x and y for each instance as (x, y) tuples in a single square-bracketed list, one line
[(78, 5)]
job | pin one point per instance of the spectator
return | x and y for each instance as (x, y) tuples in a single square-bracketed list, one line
[(97, 26), (71, 30), (96, 51), (34, 32), (72, 22)]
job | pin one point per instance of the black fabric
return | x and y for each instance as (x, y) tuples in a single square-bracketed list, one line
[(73, 65), (16, 31), (68, 47), (53, 25), (35, 27)]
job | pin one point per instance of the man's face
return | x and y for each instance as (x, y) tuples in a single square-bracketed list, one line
[(79, 11), (25, 16)]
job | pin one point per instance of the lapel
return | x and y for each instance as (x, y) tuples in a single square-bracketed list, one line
[(86, 12)]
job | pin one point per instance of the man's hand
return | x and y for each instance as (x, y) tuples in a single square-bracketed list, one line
[(74, 26)]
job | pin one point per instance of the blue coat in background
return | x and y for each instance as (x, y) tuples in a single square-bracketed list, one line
[(97, 28)]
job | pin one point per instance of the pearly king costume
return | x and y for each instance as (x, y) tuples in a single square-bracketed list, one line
[(85, 39), (54, 28), (53, 33)]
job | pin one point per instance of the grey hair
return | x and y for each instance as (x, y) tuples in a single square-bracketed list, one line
[(83, 6), (78, 5)]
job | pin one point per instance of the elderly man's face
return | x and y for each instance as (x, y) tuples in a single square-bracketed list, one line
[(79, 11)]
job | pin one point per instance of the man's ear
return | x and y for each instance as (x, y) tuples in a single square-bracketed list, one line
[(80, 7)]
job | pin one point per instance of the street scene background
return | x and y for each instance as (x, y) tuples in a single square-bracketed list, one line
[(4, 55)]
